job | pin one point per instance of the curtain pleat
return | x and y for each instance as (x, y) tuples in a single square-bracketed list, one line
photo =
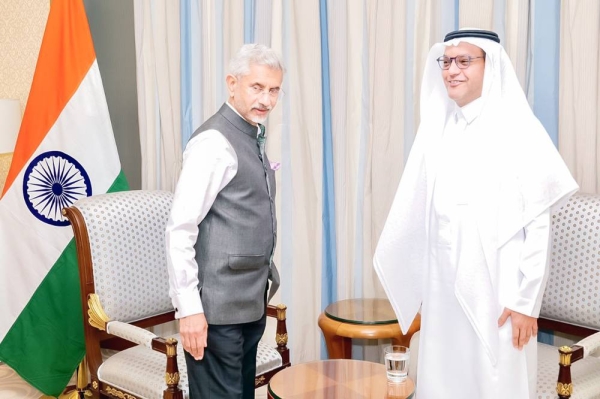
[(517, 39), (579, 119), (158, 63), (306, 149), (476, 14), (376, 50)]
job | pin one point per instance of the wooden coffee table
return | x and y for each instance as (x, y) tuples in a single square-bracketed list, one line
[(361, 318), (341, 378)]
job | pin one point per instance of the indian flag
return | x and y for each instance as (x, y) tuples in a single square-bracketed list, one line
[(65, 151)]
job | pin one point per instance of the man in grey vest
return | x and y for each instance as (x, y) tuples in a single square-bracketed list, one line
[(222, 231)]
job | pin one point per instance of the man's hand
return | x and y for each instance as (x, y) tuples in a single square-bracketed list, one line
[(193, 331), (523, 327)]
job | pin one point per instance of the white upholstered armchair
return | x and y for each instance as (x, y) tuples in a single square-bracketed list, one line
[(124, 289), (571, 305), (571, 302)]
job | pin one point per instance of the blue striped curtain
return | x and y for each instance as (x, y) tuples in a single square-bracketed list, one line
[(346, 123)]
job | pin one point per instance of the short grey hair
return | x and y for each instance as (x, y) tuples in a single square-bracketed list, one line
[(254, 54)]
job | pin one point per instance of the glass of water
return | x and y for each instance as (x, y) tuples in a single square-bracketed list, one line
[(396, 360)]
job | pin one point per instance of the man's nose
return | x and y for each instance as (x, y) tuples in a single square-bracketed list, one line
[(265, 98), (454, 69)]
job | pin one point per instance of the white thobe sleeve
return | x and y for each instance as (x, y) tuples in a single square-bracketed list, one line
[(533, 266), (209, 164)]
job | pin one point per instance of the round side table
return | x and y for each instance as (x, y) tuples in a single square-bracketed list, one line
[(361, 318), (341, 378)]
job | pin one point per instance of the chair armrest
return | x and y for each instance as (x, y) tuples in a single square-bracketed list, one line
[(590, 344), (278, 312), (281, 335), (566, 356), (131, 333), (167, 346)]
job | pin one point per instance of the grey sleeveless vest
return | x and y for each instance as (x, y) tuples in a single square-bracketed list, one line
[(237, 236)]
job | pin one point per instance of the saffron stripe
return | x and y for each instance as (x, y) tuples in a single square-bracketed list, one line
[(52, 87), (53, 312)]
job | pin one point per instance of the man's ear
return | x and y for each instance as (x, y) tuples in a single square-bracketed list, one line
[(231, 83)]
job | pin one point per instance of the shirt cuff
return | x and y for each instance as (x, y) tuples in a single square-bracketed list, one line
[(526, 306), (187, 304)]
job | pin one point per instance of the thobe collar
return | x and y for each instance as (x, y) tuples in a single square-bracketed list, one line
[(469, 112)]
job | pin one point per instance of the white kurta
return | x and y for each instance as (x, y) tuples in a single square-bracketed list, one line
[(452, 359), (467, 233)]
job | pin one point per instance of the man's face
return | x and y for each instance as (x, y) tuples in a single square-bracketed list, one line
[(254, 95), (464, 85)]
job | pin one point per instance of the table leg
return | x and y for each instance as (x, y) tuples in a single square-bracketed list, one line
[(402, 340), (337, 347)]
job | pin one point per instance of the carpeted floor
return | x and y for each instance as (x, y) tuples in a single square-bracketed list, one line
[(13, 387)]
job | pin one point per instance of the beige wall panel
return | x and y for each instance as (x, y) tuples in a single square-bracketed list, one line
[(22, 26)]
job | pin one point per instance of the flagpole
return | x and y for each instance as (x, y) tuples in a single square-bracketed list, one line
[(10, 120), (79, 390)]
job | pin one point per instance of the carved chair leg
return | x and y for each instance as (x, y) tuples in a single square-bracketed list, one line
[(172, 372), (564, 386)]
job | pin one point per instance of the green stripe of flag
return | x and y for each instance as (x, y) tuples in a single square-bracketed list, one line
[(50, 326)]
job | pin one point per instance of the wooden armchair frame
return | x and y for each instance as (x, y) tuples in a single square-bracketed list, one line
[(573, 253), (95, 320), (97, 337), (567, 355)]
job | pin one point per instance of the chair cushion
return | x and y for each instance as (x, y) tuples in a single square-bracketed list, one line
[(141, 371), (574, 277), (267, 358), (585, 372), (127, 242)]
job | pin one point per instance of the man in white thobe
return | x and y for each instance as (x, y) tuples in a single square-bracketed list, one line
[(466, 240)]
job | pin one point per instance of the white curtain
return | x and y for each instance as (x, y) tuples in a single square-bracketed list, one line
[(579, 119), (158, 82), (372, 71), (158, 62)]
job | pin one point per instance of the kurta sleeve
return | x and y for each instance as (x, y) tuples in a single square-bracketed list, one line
[(533, 266), (209, 164)]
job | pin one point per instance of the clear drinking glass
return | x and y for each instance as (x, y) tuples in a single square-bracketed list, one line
[(396, 359)]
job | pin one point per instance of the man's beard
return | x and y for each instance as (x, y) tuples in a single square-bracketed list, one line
[(259, 119)]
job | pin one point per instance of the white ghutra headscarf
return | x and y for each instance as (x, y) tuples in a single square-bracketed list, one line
[(518, 175)]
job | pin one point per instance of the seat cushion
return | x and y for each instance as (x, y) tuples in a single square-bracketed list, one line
[(267, 359), (127, 243), (141, 371), (573, 279), (585, 374)]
